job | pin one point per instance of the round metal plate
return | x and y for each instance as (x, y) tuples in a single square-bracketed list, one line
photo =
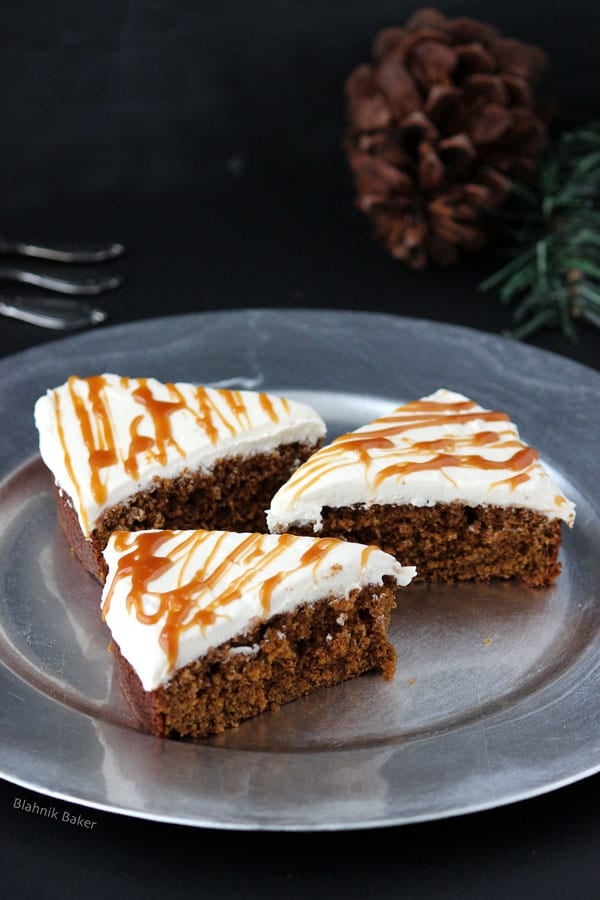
[(497, 691)]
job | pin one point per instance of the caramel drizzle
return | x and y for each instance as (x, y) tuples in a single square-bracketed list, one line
[(203, 592), (387, 437), (94, 417)]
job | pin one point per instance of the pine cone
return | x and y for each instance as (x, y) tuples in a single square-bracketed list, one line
[(437, 127)]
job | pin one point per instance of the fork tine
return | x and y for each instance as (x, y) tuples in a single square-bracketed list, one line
[(84, 285), (51, 312), (62, 254)]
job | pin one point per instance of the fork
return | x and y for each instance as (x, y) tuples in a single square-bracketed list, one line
[(75, 285), (79, 254), (51, 312)]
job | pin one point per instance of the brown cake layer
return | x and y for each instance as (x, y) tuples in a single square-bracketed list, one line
[(233, 496), (293, 654), (452, 542)]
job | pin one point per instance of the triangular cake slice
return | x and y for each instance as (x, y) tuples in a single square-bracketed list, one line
[(210, 628), (137, 453), (439, 482)]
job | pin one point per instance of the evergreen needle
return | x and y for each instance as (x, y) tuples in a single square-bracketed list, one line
[(552, 275)]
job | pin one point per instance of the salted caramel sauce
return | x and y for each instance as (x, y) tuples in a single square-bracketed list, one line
[(206, 417), (266, 591), (67, 456), (444, 452), (220, 581), (238, 407), (434, 406), (518, 461), (513, 482), (445, 444), (441, 419), (138, 444), (93, 415), (317, 552), (314, 470), (268, 407), (160, 412), (485, 437), (142, 563), (101, 450), (235, 589)]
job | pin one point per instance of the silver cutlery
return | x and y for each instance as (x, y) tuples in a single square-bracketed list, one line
[(74, 254), (52, 312), (73, 285)]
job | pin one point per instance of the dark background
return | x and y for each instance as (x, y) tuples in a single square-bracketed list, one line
[(206, 136)]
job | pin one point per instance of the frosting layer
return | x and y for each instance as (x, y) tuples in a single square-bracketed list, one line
[(107, 436), (439, 449), (170, 596)]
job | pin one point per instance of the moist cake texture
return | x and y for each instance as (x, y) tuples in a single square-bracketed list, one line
[(136, 453), (210, 628), (440, 482)]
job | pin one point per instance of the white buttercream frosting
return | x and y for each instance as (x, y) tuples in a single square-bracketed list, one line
[(170, 596), (106, 437), (439, 449)]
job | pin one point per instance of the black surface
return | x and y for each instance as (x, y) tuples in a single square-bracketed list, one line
[(205, 136)]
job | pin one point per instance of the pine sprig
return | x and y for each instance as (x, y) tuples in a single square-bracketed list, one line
[(553, 276)]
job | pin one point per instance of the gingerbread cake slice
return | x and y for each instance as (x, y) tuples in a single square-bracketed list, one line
[(440, 482), (210, 628), (136, 453)]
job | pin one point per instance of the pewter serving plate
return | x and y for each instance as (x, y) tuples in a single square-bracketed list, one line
[(496, 696)]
